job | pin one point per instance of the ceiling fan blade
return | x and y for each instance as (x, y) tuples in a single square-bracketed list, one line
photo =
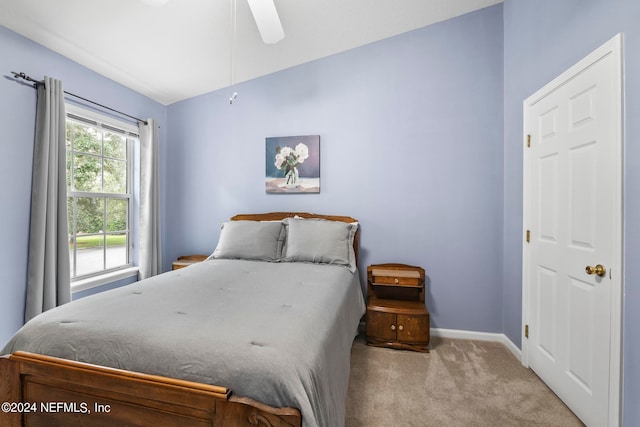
[(266, 17)]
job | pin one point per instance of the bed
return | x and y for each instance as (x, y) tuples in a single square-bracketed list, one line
[(258, 334)]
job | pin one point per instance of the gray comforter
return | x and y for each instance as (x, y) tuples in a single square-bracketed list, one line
[(280, 333)]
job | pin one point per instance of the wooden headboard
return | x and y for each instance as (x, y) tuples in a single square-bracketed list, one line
[(278, 216)]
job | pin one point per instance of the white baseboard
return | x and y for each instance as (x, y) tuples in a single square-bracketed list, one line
[(479, 336)]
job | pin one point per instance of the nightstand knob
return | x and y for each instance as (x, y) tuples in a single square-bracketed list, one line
[(396, 281), (393, 327), (400, 327)]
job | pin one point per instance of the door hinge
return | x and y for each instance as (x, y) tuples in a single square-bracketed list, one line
[(528, 141), (528, 236), (526, 331)]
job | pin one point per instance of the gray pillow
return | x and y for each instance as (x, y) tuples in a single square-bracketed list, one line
[(320, 241), (255, 240)]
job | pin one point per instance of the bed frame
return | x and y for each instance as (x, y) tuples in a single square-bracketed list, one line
[(37, 390)]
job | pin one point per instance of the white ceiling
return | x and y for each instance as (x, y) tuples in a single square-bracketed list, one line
[(184, 48)]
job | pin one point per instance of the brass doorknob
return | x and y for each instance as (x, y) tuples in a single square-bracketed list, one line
[(598, 270)]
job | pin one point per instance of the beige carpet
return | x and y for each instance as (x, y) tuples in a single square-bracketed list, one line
[(459, 383)]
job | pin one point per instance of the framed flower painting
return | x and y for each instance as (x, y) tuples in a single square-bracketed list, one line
[(293, 164)]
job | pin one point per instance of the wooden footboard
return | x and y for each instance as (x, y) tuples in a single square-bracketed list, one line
[(38, 390)]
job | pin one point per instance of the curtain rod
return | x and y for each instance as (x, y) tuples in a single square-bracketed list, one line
[(38, 82)]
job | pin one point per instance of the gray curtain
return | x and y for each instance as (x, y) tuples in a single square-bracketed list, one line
[(149, 250), (48, 280)]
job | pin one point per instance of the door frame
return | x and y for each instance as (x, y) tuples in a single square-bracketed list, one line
[(612, 47)]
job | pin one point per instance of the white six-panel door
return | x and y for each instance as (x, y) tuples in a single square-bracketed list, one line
[(571, 267)]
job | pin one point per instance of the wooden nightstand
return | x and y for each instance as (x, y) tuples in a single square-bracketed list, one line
[(396, 313), (187, 260)]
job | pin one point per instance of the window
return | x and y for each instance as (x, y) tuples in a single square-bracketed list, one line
[(99, 202)]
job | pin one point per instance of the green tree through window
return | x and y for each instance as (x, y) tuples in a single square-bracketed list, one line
[(98, 184)]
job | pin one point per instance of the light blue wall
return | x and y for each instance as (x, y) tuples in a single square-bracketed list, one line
[(410, 144), (17, 115), (420, 140), (543, 38)]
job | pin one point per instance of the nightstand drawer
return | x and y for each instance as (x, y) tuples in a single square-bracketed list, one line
[(410, 278)]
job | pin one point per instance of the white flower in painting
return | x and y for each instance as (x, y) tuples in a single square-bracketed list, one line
[(280, 159), (285, 151), (289, 160), (302, 152)]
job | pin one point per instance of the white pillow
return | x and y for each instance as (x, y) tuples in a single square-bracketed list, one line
[(255, 240), (320, 241)]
